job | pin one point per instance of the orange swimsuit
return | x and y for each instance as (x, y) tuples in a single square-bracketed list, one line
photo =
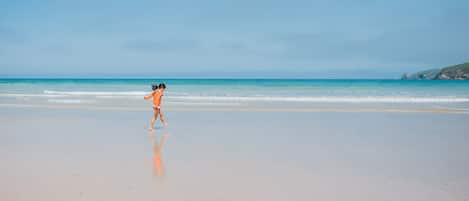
[(157, 99)]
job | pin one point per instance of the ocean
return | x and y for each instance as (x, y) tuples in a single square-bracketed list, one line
[(235, 92)]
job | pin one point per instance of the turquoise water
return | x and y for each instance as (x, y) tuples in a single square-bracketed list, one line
[(187, 91)]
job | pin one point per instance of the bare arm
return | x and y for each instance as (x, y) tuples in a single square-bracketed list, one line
[(148, 96)]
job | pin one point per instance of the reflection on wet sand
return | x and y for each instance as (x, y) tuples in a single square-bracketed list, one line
[(158, 167)]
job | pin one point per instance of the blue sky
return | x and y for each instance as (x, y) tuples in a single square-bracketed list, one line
[(241, 38)]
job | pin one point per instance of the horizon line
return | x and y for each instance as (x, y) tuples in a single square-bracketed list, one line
[(193, 78)]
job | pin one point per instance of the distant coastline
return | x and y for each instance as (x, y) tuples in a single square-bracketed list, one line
[(455, 72)]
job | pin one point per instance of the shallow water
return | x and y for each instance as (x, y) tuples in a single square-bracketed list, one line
[(229, 92)]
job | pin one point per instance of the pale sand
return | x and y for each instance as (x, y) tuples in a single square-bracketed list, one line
[(66, 153)]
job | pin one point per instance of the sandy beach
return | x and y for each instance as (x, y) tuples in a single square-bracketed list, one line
[(75, 154)]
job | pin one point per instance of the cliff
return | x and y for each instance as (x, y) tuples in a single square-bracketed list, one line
[(456, 72)]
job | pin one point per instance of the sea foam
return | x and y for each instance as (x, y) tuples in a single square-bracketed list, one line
[(97, 93), (306, 99)]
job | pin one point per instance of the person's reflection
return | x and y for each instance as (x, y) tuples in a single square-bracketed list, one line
[(158, 168)]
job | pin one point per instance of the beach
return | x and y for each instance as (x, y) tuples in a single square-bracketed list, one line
[(230, 150), (103, 155), (253, 100)]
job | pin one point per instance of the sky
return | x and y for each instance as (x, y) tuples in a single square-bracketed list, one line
[(222, 38)]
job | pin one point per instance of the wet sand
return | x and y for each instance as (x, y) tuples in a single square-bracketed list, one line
[(76, 154)]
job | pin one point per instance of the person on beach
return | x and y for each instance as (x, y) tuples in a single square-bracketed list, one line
[(157, 95)]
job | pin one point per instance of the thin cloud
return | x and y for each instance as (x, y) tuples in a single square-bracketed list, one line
[(144, 45)]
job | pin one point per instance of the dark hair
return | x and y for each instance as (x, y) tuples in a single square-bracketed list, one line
[(154, 87), (162, 86)]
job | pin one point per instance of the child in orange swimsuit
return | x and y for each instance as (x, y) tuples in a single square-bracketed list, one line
[(157, 94)]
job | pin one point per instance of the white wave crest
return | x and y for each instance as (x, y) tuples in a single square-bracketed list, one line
[(97, 93), (31, 95), (306, 99), (329, 99), (69, 101)]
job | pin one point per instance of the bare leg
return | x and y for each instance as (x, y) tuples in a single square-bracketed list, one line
[(162, 119), (154, 118)]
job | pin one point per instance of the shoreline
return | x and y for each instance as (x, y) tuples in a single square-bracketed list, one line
[(435, 109)]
